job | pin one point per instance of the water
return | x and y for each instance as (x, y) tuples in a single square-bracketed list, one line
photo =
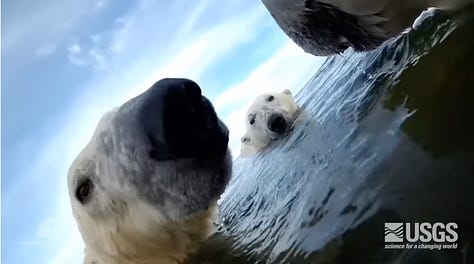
[(389, 139)]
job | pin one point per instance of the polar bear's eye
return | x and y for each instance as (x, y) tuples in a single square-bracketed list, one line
[(270, 98), (252, 120), (83, 190)]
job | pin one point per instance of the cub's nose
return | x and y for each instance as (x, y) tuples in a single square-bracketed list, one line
[(180, 122), (277, 123)]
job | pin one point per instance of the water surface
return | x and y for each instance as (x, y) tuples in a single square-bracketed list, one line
[(389, 139)]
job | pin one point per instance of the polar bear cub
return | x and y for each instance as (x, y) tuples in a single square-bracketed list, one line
[(270, 117), (145, 188)]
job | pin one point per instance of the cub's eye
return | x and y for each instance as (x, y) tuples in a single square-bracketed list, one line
[(84, 190), (252, 120), (270, 98)]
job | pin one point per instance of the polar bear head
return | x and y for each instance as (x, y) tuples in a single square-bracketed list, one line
[(269, 118), (144, 189)]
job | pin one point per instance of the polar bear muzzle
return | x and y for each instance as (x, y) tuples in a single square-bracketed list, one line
[(166, 147), (145, 187), (179, 122), (277, 123)]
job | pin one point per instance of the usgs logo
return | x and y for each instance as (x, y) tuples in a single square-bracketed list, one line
[(421, 232)]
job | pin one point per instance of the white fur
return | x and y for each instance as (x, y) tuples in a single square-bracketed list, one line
[(247, 148), (117, 226), (258, 135)]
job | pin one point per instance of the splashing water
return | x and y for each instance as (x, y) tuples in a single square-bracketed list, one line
[(388, 140)]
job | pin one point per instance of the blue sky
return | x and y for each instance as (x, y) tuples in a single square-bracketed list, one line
[(66, 62)]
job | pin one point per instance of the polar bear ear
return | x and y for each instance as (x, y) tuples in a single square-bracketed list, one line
[(288, 92), (245, 139)]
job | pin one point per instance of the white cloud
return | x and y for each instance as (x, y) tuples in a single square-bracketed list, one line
[(141, 66), (76, 60), (75, 55), (95, 38), (289, 68), (124, 23), (193, 59), (190, 61), (94, 57), (48, 22), (100, 3), (71, 248), (98, 59), (59, 226), (209, 47), (46, 49), (75, 49), (191, 20)]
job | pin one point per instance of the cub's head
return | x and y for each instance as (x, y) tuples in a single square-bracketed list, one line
[(270, 117), (145, 187)]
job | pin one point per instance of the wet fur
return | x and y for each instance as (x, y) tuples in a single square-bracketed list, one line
[(326, 27), (167, 243), (258, 136)]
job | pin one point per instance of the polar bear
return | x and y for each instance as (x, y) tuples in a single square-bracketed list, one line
[(145, 188), (246, 146), (327, 27), (270, 117)]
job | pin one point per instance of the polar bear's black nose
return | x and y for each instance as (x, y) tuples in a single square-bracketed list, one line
[(277, 123), (179, 122), (191, 96)]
